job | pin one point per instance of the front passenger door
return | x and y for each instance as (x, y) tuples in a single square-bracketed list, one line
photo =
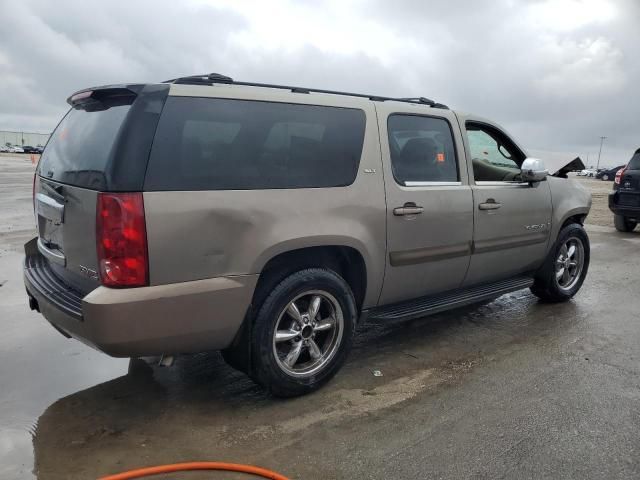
[(512, 219)]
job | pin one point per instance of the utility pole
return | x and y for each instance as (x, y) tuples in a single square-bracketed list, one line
[(600, 152)]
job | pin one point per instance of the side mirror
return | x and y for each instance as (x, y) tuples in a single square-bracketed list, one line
[(532, 170)]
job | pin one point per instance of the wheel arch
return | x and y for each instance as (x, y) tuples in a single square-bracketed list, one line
[(345, 260), (577, 216)]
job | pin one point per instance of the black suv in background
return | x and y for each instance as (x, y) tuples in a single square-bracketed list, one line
[(608, 173), (624, 201)]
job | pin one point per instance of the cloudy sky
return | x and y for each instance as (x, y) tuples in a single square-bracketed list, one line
[(557, 74)]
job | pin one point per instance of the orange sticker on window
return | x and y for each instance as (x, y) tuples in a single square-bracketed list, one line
[(440, 157)]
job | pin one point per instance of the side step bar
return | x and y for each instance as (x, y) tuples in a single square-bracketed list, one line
[(429, 305)]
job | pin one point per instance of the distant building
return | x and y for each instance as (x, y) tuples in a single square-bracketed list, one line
[(23, 138)]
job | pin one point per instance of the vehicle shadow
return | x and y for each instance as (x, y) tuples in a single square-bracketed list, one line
[(200, 408)]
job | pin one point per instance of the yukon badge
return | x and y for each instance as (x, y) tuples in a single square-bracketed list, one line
[(88, 272), (536, 226)]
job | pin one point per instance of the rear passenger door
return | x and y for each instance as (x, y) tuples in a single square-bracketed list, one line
[(429, 203)]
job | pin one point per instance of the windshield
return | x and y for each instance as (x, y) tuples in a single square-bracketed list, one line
[(81, 147)]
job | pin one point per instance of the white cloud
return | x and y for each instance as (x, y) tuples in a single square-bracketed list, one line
[(589, 67), (556, 73), (568, 15)]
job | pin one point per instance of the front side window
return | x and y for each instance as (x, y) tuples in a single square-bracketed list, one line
[(495, 158), (219, 144), (422, 149)]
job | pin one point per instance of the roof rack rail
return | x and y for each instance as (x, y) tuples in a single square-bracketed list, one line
[(212, 78)]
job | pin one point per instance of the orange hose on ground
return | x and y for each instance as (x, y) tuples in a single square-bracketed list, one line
[(191, 466)]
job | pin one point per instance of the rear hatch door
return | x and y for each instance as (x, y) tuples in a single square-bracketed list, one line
[(83, 157)]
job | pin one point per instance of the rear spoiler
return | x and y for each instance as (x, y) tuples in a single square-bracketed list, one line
[(102, 98)]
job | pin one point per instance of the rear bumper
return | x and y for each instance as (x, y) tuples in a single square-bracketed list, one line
[(628, 208), (185, 317)]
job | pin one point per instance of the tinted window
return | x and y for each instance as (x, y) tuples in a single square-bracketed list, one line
[(421, 149), (81, 146), (219, 144), (634, 163), (494, 156)]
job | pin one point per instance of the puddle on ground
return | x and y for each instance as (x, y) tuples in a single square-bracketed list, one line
[(66, 406)]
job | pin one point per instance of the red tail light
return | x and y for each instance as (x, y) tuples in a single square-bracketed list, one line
[(122, 240), (619, 174)]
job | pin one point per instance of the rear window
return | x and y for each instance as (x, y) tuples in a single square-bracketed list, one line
[(220, 144), (81, 146), (634, 163)]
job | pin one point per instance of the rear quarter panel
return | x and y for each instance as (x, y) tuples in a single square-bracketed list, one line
[(203, 234)]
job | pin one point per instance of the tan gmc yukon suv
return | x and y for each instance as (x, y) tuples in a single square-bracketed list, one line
[(266, 221)]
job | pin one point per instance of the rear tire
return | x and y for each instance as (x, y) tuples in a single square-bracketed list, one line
[(303, 332), (566, 266), (623, 224), (605, 177)]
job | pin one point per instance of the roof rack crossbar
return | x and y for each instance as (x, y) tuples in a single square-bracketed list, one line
[(212, 78)]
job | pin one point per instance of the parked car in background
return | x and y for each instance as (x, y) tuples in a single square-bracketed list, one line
[(16, 149), (624, 202), (29, 149), (587, 172), (39, 149), (4, 148), (607, 174), (268, 221)]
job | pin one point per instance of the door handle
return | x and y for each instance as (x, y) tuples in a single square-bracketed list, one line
[(490, 204), (408, 208)]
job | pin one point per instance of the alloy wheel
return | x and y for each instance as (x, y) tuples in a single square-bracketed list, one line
[(308, 333), (569, 263)]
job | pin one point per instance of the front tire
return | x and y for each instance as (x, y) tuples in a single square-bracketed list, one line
[(605, 177), (623, 224), (303, 332), (566, 266)]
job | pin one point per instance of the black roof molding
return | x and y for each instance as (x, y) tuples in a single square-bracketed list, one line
[(213, 78)]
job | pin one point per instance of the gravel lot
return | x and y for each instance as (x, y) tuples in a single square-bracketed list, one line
[(514, 388)]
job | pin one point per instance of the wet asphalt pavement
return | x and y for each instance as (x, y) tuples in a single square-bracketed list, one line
[(509, 389)]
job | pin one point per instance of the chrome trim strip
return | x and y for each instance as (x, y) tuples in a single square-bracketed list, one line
[(428, 254), (431, 184), (55, 257), (500, 184), (510, 242)]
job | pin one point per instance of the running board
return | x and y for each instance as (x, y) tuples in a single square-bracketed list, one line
[(429, 305)]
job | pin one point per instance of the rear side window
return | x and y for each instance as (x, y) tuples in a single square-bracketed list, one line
[(220, 144), (422, 150), (634, 163), (80, 148)]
